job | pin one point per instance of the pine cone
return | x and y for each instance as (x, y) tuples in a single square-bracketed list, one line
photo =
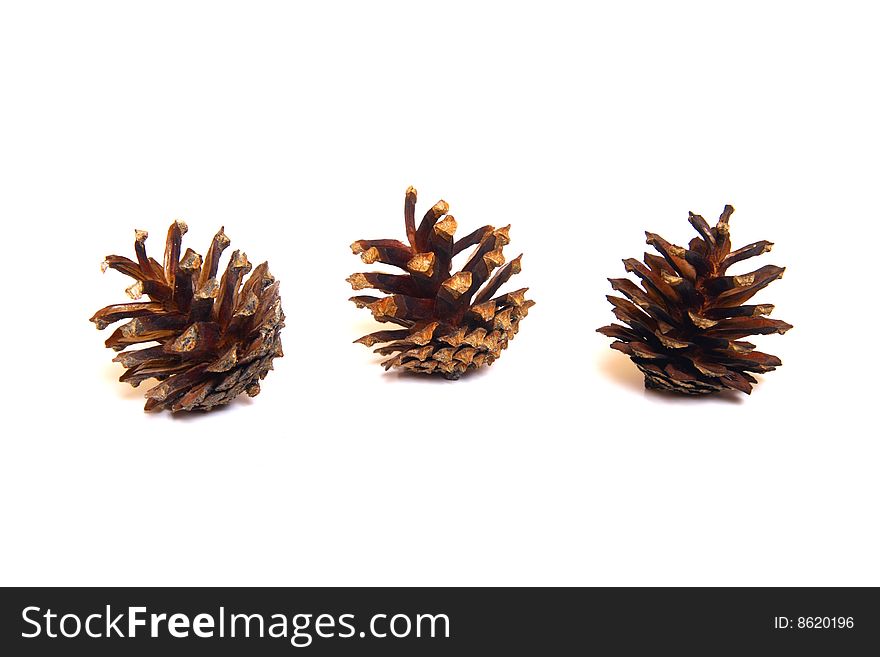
[(450, 324), (685, 325), (216, 339)]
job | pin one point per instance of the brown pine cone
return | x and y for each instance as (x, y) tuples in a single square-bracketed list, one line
[(450, 325), (216, 339), (685, 324)]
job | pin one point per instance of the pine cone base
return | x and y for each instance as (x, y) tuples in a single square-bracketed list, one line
[(451, 352), (223, 388), (657, 379)]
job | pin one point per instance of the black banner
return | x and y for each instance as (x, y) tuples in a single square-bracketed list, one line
[(446, 621)]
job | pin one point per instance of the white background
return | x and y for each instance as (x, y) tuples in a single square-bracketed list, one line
[(299, 128)]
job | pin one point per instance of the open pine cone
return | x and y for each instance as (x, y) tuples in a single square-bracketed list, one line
[(686, 322), (216, 339), (450, 324)]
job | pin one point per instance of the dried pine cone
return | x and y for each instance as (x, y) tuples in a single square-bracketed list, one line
[(450, 324), (686, 322), (216, 339)]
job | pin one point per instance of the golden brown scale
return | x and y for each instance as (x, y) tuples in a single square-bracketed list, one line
[(452, 323), (216, 338), (686, 322)]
